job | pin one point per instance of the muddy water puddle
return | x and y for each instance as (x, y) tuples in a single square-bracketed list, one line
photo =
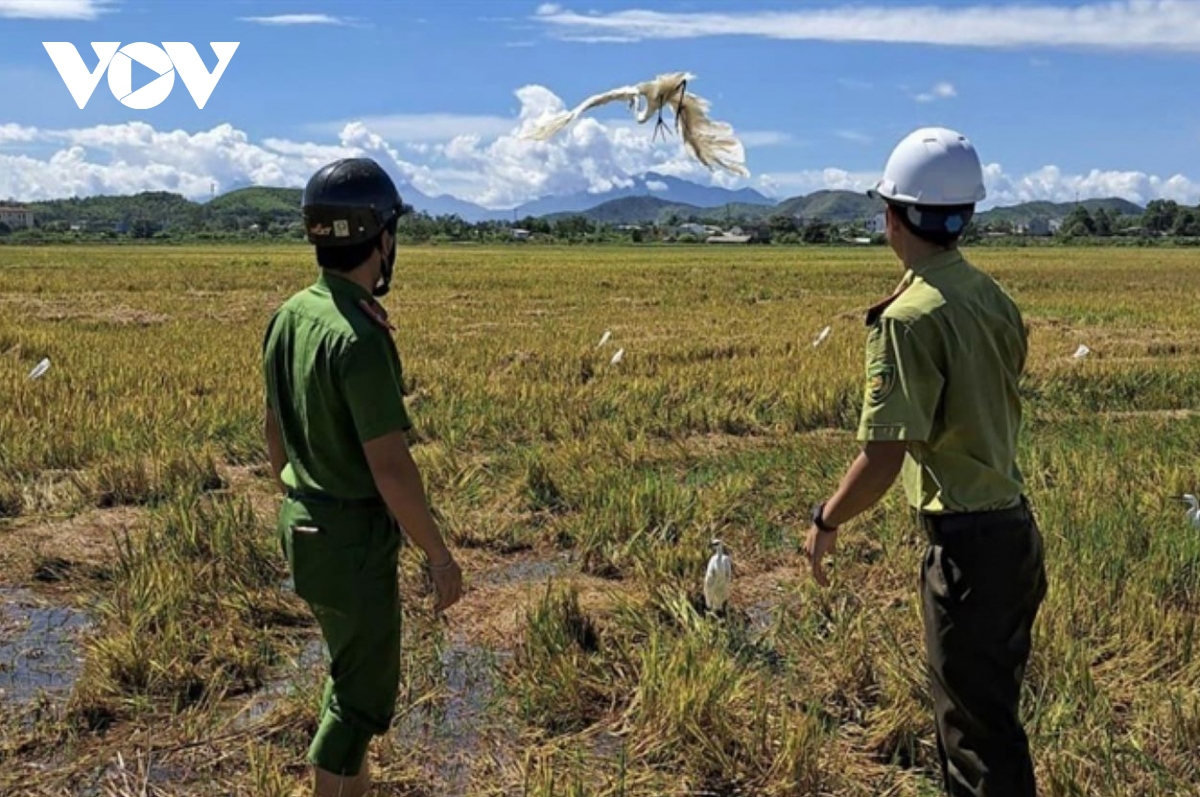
[(39, 646)]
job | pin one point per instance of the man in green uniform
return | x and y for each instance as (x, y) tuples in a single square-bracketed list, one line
[(945, 353), (335, 426)]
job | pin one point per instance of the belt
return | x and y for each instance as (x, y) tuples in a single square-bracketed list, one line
[(941, 527), (326, 499)]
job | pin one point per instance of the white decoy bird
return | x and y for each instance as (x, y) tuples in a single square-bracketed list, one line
[(710, 142), (717, 578), (40, 369), (1193, 514)]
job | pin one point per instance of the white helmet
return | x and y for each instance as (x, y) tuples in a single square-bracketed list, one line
[(932, 166)]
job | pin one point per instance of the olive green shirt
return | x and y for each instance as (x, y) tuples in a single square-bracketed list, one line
[(943, 362), (334, 381)]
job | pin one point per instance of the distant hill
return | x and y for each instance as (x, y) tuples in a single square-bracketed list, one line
[(629, 210), (1027, 211), (281, 202), (659, 186), (652, 198), (158, 206), (832, 206), (837, 207)]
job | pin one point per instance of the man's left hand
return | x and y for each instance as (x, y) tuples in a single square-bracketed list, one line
[(817, 544)]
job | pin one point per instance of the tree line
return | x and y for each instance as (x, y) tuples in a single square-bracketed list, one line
[(157, 218)]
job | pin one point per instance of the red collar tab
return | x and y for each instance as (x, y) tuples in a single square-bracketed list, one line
[(376, 313)]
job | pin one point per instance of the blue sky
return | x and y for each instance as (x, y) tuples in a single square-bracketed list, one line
[(1094, 99)]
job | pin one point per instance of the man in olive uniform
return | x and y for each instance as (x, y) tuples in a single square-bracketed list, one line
[(335, 426), (945, 353)]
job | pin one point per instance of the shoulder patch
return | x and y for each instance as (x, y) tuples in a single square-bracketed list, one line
[(881, 379), (376, 313)]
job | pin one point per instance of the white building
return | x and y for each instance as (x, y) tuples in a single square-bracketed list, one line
[(16, 217), (1035, 226), (877, 225)]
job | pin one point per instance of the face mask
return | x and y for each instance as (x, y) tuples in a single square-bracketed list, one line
[(385, 268)]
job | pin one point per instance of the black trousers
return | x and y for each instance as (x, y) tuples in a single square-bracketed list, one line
[(982, 583)]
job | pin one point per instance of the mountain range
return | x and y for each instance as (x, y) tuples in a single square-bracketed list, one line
[(649, 198)]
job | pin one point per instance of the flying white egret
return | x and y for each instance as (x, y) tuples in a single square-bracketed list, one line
[(40, 368), (824, 334), (1193, 514), (710, 142), (717, 578), (604, 338), (620, 355)]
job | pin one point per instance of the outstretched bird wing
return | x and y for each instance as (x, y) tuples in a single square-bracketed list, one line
[(710, 142), (557, 122)]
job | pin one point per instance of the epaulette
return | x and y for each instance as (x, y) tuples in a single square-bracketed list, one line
[(376, 313)]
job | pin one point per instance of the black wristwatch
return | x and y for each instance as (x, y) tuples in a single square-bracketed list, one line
[(817, 512)]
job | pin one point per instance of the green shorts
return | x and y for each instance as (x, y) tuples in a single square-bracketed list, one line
[(344, 565)]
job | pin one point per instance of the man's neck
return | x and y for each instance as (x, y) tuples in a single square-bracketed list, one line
[(920, 251), (358, 276)]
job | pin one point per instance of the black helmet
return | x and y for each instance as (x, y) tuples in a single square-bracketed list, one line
[(348, 202)]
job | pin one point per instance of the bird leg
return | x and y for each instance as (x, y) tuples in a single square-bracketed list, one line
[(682, 89), (660, 125)]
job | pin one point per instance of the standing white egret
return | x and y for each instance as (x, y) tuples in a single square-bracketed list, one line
[(40, 368), (1193, 514), (604, 338), (710, 142), (620, 355), (820, 338), (717, 578)]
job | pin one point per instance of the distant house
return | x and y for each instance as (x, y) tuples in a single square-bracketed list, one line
[(877, 224), (695, 229), (520, 235), (1036, 226), (16, 217), (728, 238)]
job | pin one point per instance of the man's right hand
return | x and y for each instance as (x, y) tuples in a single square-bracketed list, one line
[(447, 583)]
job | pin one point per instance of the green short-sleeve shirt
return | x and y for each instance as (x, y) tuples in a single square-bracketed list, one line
[(334, 381), (943, 365)]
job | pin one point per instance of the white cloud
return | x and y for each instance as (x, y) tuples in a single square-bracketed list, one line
[(53, 9), (1119, 25), (854, 136), (16, 134), (425, 127), (492, 167), (854, 84), (1049, 183), (764, 138), (656, 185), (298, 19), (781, 184), (942, 91)]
